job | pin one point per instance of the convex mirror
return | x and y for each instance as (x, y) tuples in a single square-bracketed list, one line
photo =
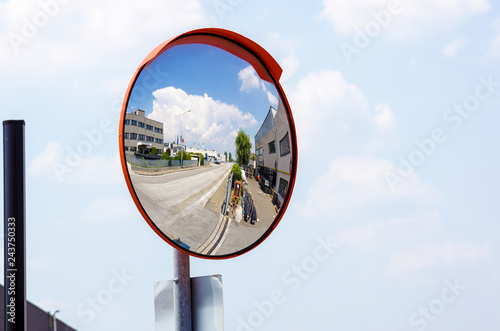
[(207, 143)]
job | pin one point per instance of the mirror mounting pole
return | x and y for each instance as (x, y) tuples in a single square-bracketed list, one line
[(182, 291)]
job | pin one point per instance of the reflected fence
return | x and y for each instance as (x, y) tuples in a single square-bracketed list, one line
[(156, 164), (225, 205)]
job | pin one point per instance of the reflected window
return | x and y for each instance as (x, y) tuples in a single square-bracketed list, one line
[(272, 147), (127, 122), (158, 130), (133, 136), (283, 186), (134, 123), (140, 124), (285, 145), (142, 137), (150, 139), (149, 127), (125, 135)]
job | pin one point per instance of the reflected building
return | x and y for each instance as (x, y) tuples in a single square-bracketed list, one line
[(272, 152), (173, 148), (141, 133), (210, 155)]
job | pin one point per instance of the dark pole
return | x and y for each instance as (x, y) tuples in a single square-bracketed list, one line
[(182, 291), (14, 226)]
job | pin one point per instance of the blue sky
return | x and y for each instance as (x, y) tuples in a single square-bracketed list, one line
[(396, 109)]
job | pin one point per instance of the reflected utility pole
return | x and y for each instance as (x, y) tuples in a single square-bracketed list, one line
[(180, 124)]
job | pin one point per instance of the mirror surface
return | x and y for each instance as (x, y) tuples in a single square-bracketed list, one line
[(208, 148)]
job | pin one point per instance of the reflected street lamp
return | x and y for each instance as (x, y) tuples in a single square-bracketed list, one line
[(180, 124)]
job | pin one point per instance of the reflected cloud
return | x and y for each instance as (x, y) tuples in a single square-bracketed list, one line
[(210, 120)]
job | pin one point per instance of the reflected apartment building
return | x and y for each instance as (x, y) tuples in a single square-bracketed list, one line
[(272, 152), (141, 133)]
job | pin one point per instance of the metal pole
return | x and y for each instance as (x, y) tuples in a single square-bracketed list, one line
[(182, 291), (180, 125), (14, 226), (54, 320)]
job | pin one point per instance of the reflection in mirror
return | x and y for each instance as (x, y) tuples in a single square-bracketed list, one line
[(208, 149)]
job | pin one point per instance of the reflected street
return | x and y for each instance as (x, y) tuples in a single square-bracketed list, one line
[(186, 206)]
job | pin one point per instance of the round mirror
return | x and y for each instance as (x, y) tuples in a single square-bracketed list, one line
[(208, 144)]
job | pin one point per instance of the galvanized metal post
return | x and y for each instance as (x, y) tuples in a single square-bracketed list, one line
[(182, 291), (14, 226)]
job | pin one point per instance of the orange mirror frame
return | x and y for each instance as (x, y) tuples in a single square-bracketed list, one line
[(267, 69)]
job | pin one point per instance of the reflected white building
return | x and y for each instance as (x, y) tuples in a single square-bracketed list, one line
[(141, 133), (174, 148), (211, 155), (272, 152)]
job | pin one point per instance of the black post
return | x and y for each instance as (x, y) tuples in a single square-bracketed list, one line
[(14, 226)]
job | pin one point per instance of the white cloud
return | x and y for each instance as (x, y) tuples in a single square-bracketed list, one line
[(250, 81), (290, 65), (380, 234), (286, 44), (451, 49), (211, 121), (39, 263), (97, 169), (494, 47), (432, 255), (409, 19), (42, 164), (108, 210), (75, 165), (324, 102), (284, 47), (384, 117), (116, 86), (90, 34), (354, 182)]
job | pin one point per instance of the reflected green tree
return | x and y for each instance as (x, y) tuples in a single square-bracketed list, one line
[(153, 151), (185, 156), (243, 146)]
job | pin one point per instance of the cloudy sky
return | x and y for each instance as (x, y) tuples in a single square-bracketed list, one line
[(392, 223)]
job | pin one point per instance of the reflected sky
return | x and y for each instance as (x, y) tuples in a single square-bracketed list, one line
[(223, 91)]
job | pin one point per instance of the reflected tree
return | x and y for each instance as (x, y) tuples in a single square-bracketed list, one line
[(243, 146)]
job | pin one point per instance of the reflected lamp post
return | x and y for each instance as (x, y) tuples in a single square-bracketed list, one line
[(180, 124)]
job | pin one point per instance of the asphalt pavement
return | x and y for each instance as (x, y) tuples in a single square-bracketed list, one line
[(175, 201)]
